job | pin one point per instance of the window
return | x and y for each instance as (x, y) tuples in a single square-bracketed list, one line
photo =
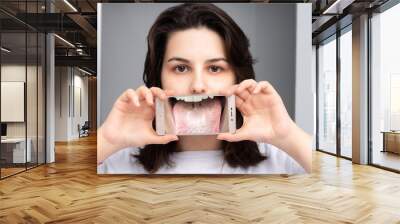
[(327, 96), (346, 93), (385, 89), (22, 77)]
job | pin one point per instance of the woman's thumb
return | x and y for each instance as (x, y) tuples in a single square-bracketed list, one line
[(229, 137), (164, 139)]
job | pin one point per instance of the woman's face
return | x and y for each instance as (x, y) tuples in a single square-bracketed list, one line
[(195, 63)]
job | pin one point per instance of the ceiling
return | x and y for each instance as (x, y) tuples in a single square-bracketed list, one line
[(76, 22)]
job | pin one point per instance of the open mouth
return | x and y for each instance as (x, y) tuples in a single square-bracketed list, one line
[(197, 114)]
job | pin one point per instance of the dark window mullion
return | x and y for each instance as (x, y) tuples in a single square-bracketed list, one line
[(338, 97), (26, 87), (369, 90), (37, 90), (317, 95)]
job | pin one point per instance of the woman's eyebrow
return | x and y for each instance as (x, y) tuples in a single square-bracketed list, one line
[(187, 61), (216, 59), (178, 59)]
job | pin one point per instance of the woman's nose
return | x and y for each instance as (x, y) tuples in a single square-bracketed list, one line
[(198, 85)]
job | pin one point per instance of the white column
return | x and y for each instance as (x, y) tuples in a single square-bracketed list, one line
[(360, 90), (305, 84), (50, 92), (50, 99)]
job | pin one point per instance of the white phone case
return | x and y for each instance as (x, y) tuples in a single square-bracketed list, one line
[(228, 118)]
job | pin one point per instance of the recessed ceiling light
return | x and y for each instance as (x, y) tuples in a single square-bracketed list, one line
[(5, 50), (64, 40), (337, 7), (84, 71), (70, 5)]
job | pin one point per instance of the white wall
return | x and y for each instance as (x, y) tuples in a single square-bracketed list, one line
[(70, 83), (33, 126), (61, 103), (15, 72), (79, 117)]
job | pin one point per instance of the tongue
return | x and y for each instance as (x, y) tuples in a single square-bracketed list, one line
[(197, 118)]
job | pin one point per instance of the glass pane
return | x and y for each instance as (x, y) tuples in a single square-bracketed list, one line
[(31, 86), (346, 94), (31, 97), (386, 89), (13, 87), (41, 98), (327, 96), (22, 89)]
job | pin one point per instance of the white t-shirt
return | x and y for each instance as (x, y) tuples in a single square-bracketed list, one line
[(202, 162)]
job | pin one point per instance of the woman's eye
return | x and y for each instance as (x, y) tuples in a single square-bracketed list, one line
[(215, 69), (181, 68)]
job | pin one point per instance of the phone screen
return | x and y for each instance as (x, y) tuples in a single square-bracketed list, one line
[(196, 115)]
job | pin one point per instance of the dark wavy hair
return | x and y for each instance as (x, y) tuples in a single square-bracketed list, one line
[(196, 15)]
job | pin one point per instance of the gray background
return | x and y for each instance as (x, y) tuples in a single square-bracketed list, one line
[(277, 34)]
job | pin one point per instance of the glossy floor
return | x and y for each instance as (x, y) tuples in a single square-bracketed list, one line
[(387, 159), (70, 191)]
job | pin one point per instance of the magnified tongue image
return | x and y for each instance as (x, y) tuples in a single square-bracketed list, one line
[(197, 115)]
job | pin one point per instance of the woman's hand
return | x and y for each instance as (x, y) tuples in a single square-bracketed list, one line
[(265, 119), (129, 123)]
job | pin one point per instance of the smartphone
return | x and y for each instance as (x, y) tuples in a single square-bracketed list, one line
[(195, 115)]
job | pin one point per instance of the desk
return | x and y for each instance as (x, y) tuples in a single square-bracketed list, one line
[(391, 141), (13, 150)]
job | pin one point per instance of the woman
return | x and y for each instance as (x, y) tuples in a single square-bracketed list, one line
[(199, 49)]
